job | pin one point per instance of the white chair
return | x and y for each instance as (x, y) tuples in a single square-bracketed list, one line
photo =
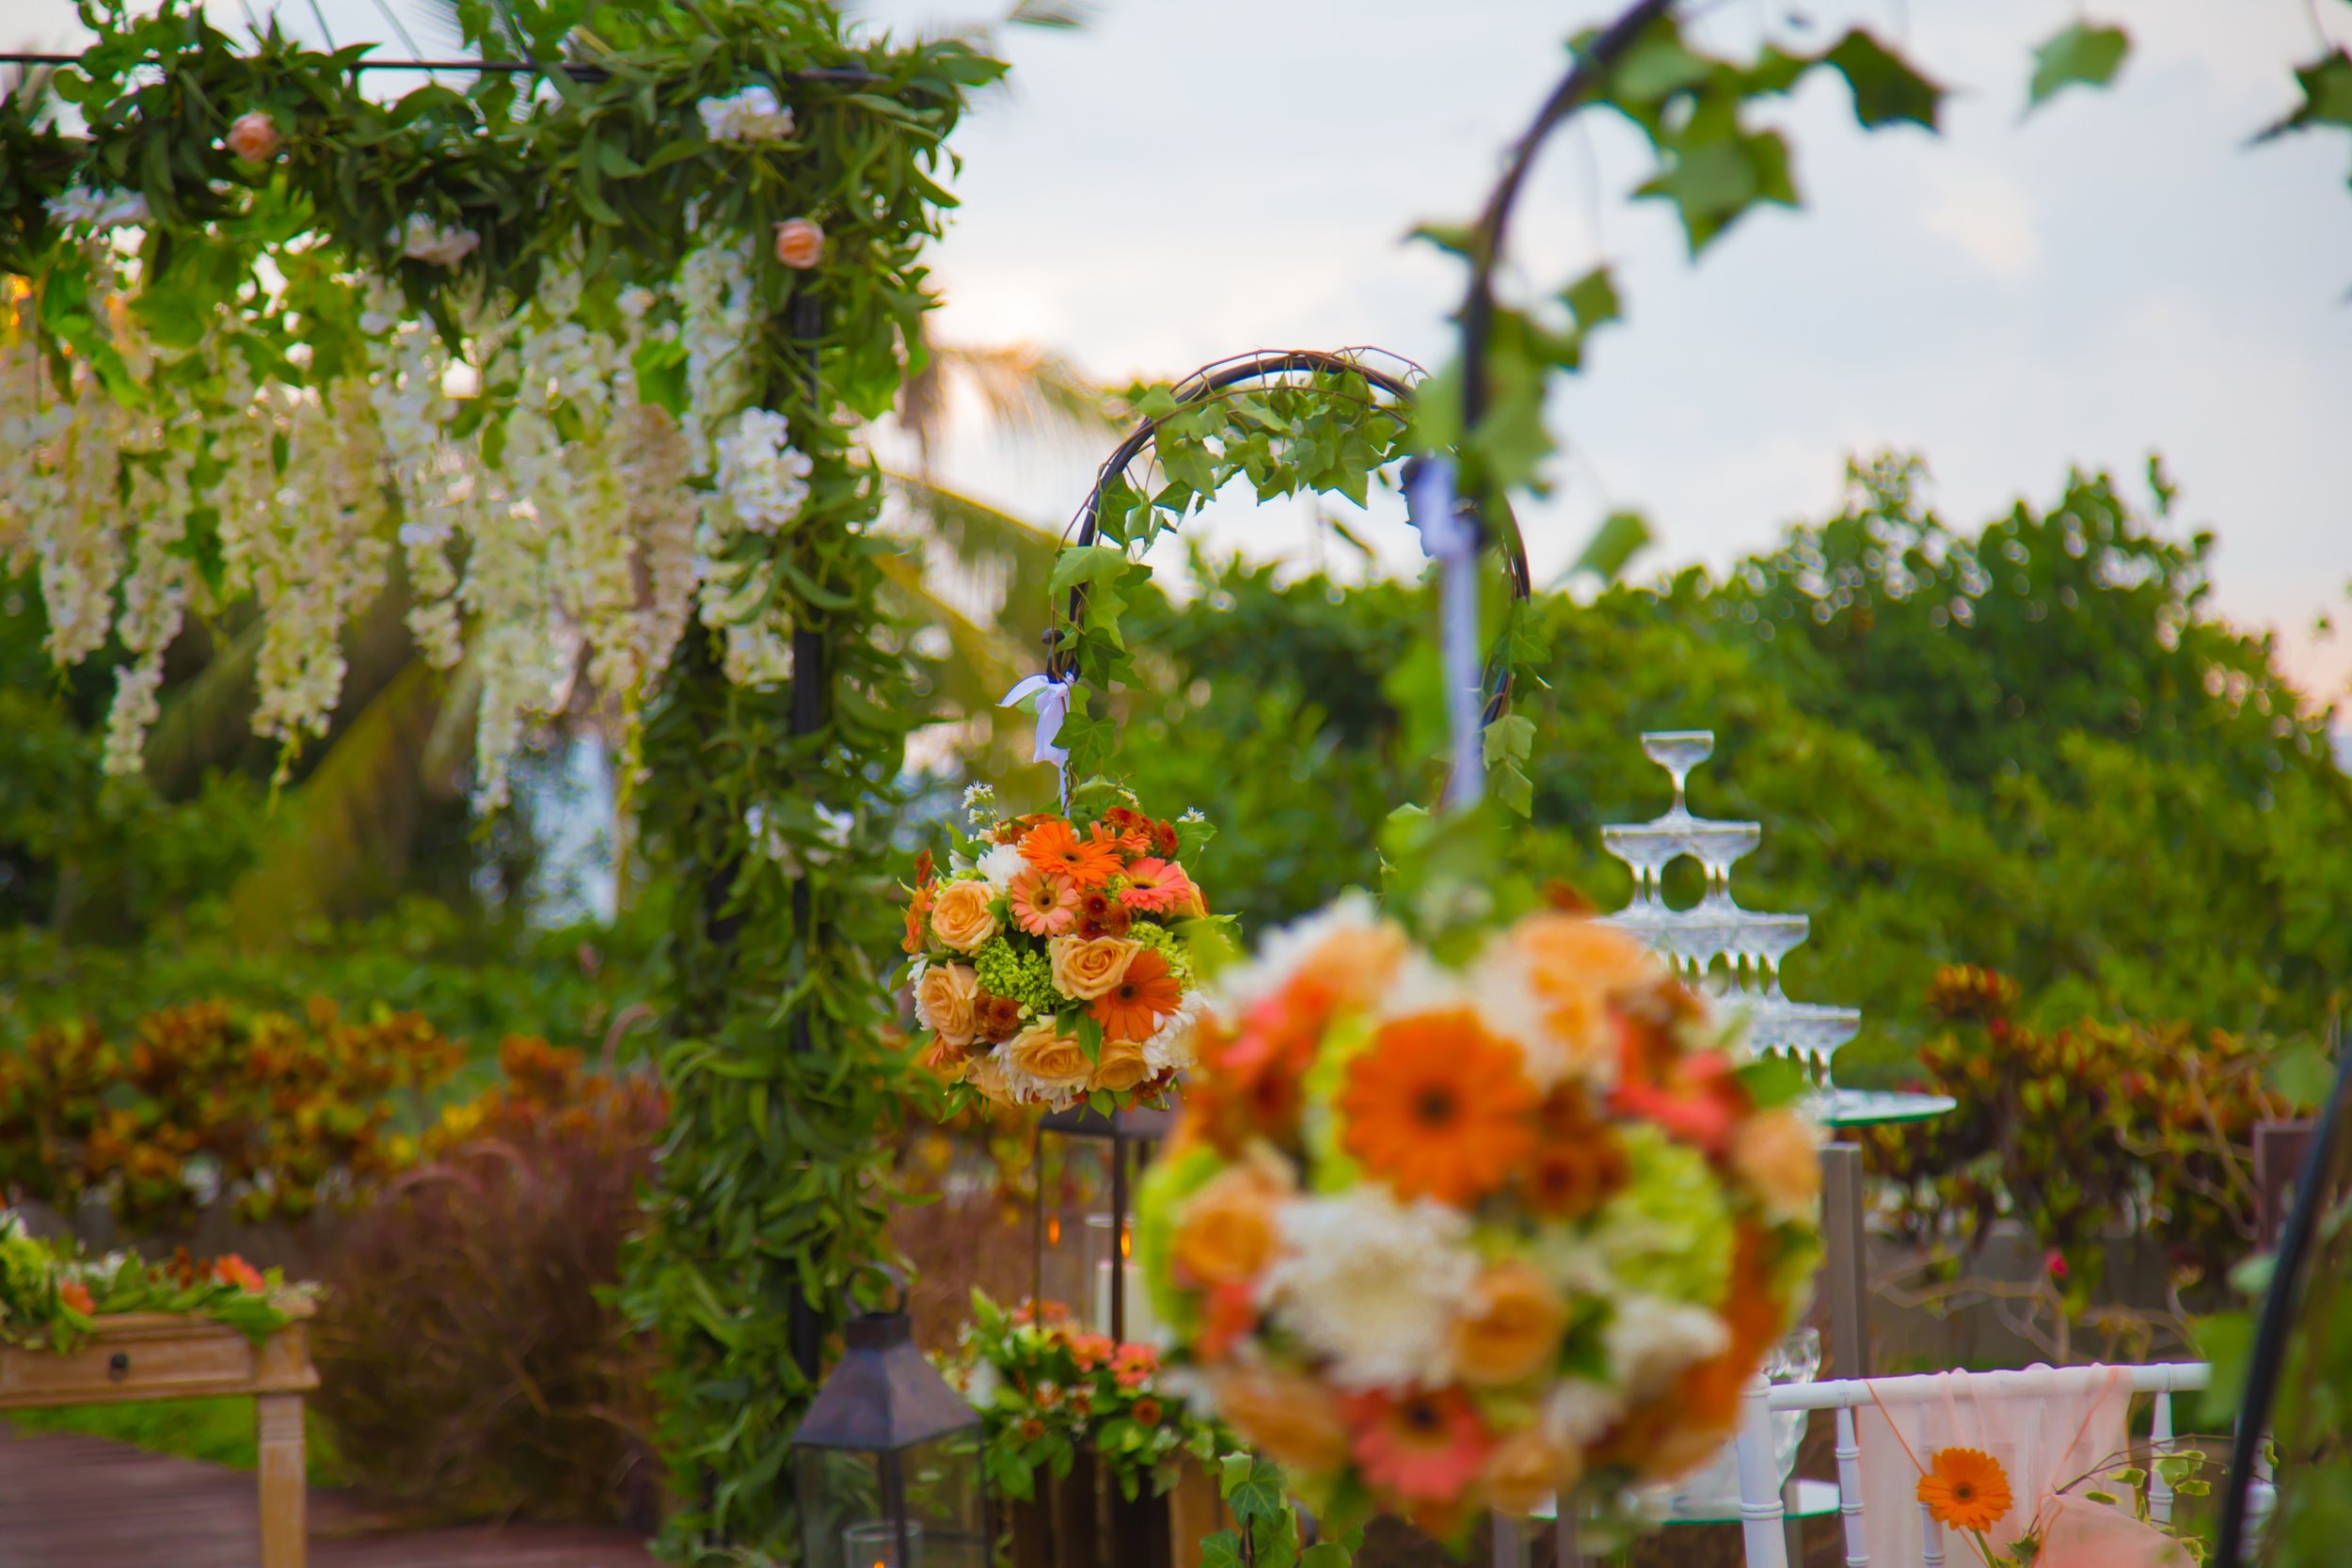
[(1759, 1476)]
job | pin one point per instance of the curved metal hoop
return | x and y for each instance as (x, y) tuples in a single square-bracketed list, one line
[(1262, 365), (1494, 220)]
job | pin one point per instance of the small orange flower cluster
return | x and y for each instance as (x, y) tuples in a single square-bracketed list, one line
[(1037, 1378), (1048, 967)]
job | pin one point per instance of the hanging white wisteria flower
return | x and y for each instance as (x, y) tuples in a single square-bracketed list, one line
[(557, 544), (754, 115), (422, 240), (84, 207), (765, 482)]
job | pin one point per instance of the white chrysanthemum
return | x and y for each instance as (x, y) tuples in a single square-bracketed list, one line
[(420, 239), (1285, 947), (1171, 1044), (1577, 1412), (1000, 865), (753, 114), (982, 1383), (1372, 1284), (1652, 1340), (1423, 986)]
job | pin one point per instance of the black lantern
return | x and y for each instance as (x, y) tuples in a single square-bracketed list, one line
[(887, 1462), (1084, 1242)]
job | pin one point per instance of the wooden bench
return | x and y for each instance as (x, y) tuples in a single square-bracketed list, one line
[(158, 1356)]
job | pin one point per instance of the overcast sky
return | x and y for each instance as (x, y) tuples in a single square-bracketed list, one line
[(2117, 275)]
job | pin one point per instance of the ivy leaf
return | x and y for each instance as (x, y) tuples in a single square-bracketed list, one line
[(2083, 53), (1658, 67), (1594, 299), (1221, 1550), (1253, 1490), (1621, 536), (1887, 91), (2326, 84), (1713, 183)]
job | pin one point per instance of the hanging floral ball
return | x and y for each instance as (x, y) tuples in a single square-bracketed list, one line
[(1051, 963), (254, 137), (1445, 1236), (800, 244)]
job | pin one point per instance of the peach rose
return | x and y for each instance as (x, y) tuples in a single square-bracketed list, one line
[(987, 1074), (1525, 1470), (1774, 1152), (1512, 1330), (1085, 967), (1225, 1234), (800, 244), (1045, 1053), (949, 1062), (1575, 967), (961, 916), (946, 1002), (1120, 1068), (254, 137), (1289, 1416), (1353, 964)]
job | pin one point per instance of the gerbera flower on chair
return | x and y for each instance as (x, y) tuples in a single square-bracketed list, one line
[(1965, 1489), (1156, 885), (1054, 846), (1043, 903), (1146, 993), (1420, 1444), (1438, 1107)]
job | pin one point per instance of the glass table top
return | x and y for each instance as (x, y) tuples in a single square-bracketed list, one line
[(1882, 1107)]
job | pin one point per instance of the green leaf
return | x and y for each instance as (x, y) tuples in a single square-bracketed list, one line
[(1594, 299), (1221, 1550), (1772, 1081), (1621, 536), (2082, 53), (1655, 68), (1887, 91), (2303, 1074), (1254, 1489)]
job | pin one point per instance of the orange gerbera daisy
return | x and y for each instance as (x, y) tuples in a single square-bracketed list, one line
[(1426, 1446), (1148, 992), (1054, 846), (1965, 1489), (1438, 1107), (1156, 885)]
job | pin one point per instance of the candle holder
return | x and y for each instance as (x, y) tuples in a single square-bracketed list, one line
[(887, 1467), (1083, 1233)]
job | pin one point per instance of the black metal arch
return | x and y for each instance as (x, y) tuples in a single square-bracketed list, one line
[(1262, 365)]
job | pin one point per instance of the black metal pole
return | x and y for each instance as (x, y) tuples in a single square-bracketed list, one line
[(811, 708)]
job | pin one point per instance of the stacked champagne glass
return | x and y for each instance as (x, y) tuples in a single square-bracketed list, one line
[(1732, 953)]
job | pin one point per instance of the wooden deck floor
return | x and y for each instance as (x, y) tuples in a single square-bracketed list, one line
[(86, 1502)]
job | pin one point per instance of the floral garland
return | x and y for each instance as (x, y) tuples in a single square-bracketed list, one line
[(1053, 962), (263, 340), (1441, 1235), (52, 1296), (1047, 1393)]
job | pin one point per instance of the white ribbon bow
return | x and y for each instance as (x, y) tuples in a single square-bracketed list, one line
[(1053, 706), (1452, 541)]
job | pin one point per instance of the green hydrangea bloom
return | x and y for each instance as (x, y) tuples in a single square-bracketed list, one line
[(1028, 976), (1669, 1233), (1168, 945)]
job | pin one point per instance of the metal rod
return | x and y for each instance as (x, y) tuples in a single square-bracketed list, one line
[(1844, 1267)]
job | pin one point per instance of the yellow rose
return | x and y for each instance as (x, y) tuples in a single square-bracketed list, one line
[(1225, 1233), (1120, 1068), (1045, 1053), (946, 1002), (1085, 967), (1512, 1330), (1526, 1470), (1775, 1153), (1290, 1417), (961, 916)]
